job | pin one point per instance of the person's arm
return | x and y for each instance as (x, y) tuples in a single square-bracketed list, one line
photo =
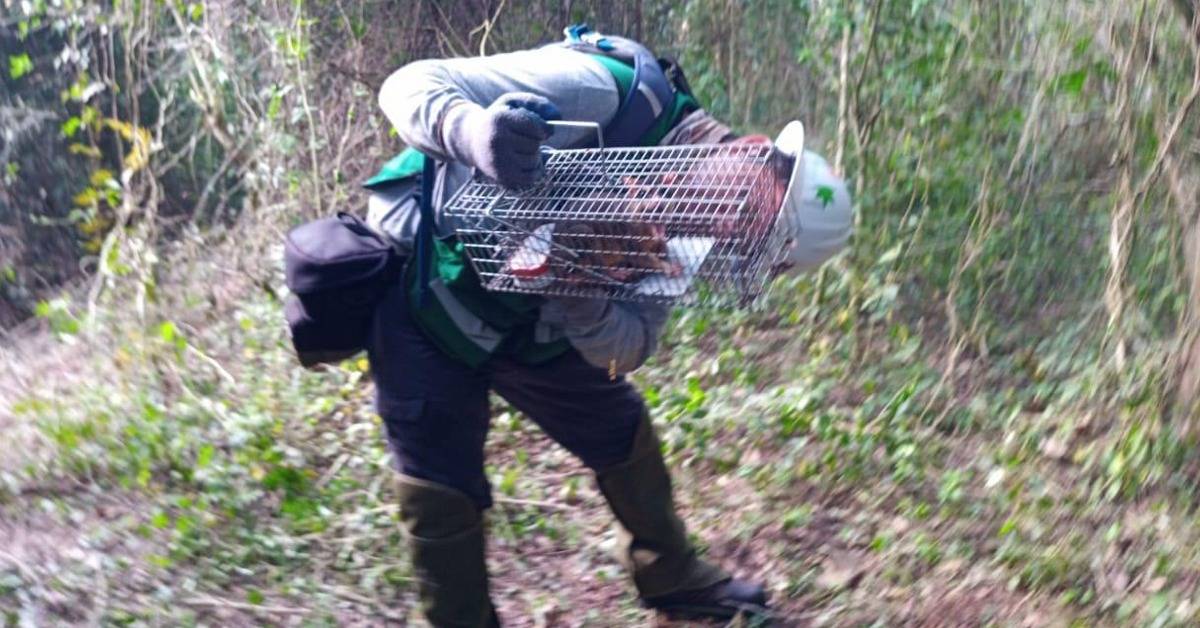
[(611, 335), (431, 102)]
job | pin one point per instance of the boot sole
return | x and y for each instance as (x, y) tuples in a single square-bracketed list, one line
[(695, 612)]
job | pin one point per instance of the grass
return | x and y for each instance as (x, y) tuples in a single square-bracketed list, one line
[(205, 478)]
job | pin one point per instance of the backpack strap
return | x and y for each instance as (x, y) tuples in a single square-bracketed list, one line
[(651, 94)]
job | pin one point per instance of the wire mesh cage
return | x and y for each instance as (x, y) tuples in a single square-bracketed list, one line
[(684, 223)]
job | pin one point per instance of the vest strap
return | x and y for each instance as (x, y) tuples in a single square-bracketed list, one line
[(425, 229), (472, 327)]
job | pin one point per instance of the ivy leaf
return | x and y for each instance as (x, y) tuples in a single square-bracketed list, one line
[(19, 65), (205, 455), (160, 520), (71, 126), (1072, 82), (166, 331), (825, 195)]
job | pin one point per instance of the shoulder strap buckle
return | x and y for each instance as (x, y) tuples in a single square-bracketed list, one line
[(575, 32), (599, 41), (583, 34)]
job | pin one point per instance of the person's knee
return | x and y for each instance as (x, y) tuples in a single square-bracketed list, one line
[(642, 440), (431, 510), (473, 485), (610, 444), (439, 443)]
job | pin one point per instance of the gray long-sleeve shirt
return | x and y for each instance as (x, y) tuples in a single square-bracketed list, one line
[(424, 98)]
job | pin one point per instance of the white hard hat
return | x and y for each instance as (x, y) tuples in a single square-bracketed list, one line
[(817, 213)]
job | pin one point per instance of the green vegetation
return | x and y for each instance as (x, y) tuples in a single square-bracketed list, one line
[(984, 410)]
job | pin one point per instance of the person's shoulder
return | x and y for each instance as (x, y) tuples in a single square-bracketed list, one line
[(550, 53), (550, 58)]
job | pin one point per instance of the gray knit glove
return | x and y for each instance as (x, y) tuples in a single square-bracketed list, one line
[(580, 313), (502, 141)]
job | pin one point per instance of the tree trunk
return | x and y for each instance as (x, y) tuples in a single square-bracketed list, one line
[(1188, 392), (1187, 198)]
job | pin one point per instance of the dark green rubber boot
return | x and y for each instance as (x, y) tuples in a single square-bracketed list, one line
[(445, 537), (654, 547)]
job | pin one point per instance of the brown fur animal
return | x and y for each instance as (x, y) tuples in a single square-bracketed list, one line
[(624, 251)]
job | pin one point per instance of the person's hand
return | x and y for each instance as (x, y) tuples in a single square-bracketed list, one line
[(502, 141)]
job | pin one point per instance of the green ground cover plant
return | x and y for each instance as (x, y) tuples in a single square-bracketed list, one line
[(983, 410)]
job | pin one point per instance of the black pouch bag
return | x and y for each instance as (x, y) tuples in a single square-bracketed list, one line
[(338, 269)]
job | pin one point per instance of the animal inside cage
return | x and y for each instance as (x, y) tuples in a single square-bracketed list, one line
[(663, 223)]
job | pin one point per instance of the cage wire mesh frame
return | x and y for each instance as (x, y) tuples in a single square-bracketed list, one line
[(691, 224)]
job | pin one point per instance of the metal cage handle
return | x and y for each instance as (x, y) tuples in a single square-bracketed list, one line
[(595, 126), (582, 124)]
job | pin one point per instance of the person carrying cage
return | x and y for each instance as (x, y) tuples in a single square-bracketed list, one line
[(439, 342)]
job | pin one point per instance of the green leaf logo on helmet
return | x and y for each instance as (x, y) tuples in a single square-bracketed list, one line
[(825, 195)]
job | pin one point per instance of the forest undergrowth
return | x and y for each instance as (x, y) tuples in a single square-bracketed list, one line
[(981, 413)]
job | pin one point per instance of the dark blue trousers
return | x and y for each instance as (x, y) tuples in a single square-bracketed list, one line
[(436, 412)]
